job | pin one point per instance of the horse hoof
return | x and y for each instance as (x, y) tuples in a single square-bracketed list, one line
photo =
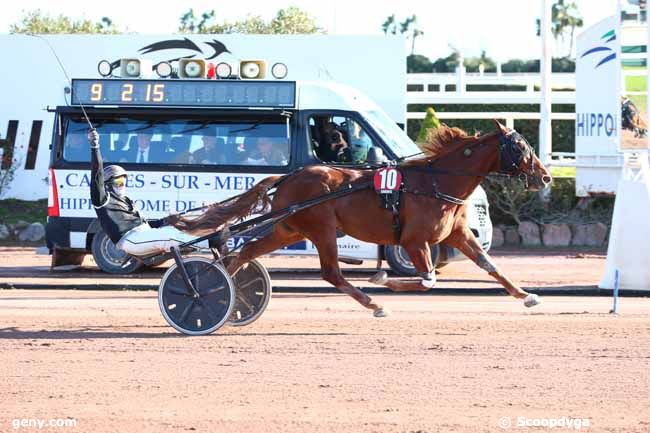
[(381, 312), (379, 278), (531, 300)]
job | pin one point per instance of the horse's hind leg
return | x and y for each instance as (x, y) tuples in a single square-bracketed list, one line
[(464, 240), (420, 255), (325, 242), (279, 237)]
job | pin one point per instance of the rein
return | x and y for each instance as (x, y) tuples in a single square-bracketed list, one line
[(510, 156)]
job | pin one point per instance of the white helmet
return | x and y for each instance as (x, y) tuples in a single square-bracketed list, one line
[(112, 172)]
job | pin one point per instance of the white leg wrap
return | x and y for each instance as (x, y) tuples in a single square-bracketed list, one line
[(531, 300), (485, 263), (428, 279), (428, 283)]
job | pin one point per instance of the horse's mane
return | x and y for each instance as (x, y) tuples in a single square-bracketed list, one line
[(441, 141)]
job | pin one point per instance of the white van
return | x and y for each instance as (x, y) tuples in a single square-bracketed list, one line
[(200, 137)]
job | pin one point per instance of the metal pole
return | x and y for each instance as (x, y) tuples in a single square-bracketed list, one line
[(545, 131), (460, 74), (647, 23), (614, 309)]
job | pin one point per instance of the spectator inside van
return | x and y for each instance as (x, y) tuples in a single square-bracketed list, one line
[(211, 152), (144, 151), (268, 151)]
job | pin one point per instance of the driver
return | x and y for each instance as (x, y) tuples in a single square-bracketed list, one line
[(118, 217)]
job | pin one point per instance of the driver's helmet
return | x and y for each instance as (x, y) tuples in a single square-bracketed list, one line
[(113, 172)]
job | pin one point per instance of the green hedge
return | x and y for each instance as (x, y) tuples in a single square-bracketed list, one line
[(563, 130), (562, 207), (13, 210), (419, 63)]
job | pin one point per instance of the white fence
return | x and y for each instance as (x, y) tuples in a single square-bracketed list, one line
[(436, 89), (462, 95)]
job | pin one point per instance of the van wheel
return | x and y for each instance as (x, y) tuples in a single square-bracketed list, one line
[(111, 259), (400, 262)]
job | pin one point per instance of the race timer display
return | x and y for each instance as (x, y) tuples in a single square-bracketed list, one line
[(187, 93)]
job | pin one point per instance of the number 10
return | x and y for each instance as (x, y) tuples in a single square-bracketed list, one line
[(388, 179)]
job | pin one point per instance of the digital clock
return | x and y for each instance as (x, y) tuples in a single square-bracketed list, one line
[(184, 93)]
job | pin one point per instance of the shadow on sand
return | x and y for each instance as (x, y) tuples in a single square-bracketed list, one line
[(102, 332)]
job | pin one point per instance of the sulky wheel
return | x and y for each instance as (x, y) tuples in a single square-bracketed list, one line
[(253, 292), (192, 314)]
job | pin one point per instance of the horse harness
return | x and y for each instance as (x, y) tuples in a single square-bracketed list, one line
[(389, 192), (391, 198), (511, 157)]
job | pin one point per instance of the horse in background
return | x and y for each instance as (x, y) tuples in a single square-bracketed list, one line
[(631, 118)]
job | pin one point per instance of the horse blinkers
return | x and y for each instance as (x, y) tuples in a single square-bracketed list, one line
[(512, 155)]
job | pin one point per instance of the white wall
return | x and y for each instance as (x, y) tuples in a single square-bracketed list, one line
[(30, 78)]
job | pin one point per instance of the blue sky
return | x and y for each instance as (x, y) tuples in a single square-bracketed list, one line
[(504, 28)]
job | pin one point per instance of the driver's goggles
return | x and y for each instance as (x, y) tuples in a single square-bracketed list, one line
[(119, 182)]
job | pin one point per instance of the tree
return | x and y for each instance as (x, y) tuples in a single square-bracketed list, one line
[(417, 63), (429, 123), (565, 17), (390, 25), (511, 202), (191, 24), (447, 64), (36, 21), (291, 20), (407, 27), (473, 63)]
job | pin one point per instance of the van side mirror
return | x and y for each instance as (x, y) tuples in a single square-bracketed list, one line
[(375, 156)]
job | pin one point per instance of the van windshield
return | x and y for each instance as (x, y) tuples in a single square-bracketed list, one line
[(392, 134), (208, 142)]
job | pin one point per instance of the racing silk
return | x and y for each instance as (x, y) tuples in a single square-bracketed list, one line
[(116, 214)]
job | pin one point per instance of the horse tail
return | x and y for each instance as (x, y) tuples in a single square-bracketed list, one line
[(219, 214)]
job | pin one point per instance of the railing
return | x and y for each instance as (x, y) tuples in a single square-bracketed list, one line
[(454, 88), (437, 89)]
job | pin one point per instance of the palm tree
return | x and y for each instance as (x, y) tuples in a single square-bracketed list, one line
[(565, 16), (416, 32), (408, 27), (390, 25)]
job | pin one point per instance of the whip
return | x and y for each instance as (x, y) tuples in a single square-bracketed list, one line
[(65, 72)]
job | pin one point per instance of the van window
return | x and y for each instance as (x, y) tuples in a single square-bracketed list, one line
[(339, 139), (126, 140), (395, 137)]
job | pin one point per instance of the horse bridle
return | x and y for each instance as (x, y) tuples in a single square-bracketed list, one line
[(512, 155)]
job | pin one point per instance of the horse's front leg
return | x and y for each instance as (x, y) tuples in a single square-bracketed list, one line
[(420, 255), (464, 240)]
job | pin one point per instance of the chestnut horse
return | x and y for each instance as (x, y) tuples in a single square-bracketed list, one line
[(432, 209)]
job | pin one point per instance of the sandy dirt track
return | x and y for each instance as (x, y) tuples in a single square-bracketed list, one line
[(560, 270), (319, 363)]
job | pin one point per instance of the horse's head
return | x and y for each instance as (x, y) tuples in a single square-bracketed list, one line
[(632, 119), (517, 158)]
